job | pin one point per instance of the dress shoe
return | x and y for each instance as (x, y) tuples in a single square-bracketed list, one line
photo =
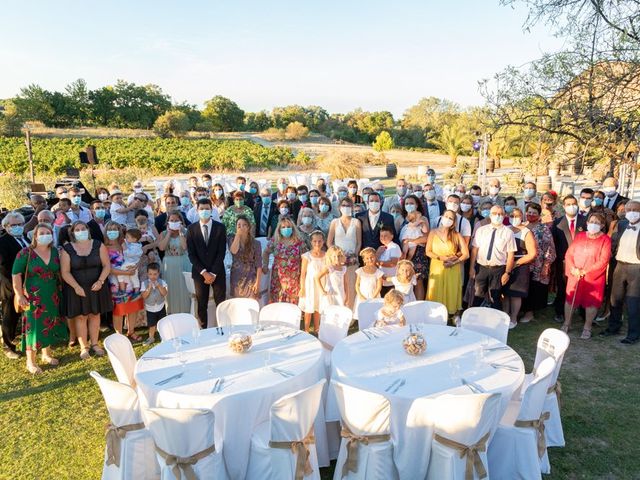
[(629, 341), (608, 333)]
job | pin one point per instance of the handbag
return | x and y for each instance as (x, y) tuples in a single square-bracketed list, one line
[(16, 305)]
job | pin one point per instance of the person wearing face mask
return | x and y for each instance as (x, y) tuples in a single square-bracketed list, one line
[(493, 252), (434, 207), (564, 231), (585, 202), (325, 215), (494, 192), (137, 188), (281, 192), (466, 210), (306, 225), (610, 190), (586, 264), (102, 194), (371, 220), (170, 204), (346, 232), (379, 189), (509, 205), (476, 194), (263, 212), (173, 243), (78, 212), (598, 206), (242, 187), (352, 192), (185, 203), (303, 197), (218, 203), (448, 251), (10, 244), (398, 198), (294, 202), (625, 278), (413, 240), (36, 285), (431, 180), (207, 181), (283, 210), (340, 194), (314, 198), (246, 252), (287, 248), (207, 246), (518, 286), (462, 225), (540, 277), (529, 195), (238, 209), (366, 191)]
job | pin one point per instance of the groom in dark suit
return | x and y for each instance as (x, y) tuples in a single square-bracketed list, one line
[(372, 219), (206, 246)]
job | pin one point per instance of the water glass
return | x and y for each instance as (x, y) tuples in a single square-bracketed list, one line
[(454, 368), (182, 358), (195, 335), (266, 358), (210, 367), (177, 343)]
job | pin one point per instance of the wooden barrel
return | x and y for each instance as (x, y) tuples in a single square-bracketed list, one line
[(392, 170), (491, 165), (543, 183)]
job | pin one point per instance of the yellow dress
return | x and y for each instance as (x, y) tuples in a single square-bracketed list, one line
[(445, 284)]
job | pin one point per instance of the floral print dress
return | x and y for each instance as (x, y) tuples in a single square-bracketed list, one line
[(285, 275), (41, 326)]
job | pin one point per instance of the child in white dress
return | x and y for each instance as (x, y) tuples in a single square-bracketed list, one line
[(368, 279), (391, 311), (312, 264), (415, 228), (132, 252), (405, 280), (333, 289)]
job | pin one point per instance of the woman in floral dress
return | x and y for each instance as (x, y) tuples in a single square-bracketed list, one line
[(238, 209), (37, 268), (287, 248)]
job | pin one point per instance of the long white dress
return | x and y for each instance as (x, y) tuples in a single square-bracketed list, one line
[(310, 303), (368, 284), (347, 240), (336, 294)]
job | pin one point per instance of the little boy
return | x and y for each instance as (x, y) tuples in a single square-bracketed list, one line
[(154, 292), (388, 255), (132, 251)]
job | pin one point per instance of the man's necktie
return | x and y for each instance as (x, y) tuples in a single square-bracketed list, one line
[(493, 237), (263, 220), (572, 227), (205, 234)]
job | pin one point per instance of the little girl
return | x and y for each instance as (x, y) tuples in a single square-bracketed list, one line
[(405, 280), (415, 228), (312, 264), (391, 311), (368, 279), (334, 288)]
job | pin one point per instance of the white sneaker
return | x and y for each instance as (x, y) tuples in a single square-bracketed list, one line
[(513, 325), (526, 319), (149, 341)]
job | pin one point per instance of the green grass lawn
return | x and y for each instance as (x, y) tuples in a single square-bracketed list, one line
[(52, 425)]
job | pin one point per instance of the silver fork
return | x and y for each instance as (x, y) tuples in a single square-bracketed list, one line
[(399, 386)]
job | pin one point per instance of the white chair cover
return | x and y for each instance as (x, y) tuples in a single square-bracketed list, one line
[(122, 358), (489, 321), (183, 433), (238, 311), (211, 307), (423, 311), (468, 420), (334, 324), (364, 414), (265, 279), (367, 312), (292, 418), (177, 325), (418, 431), (551, 343), (519, 451), (135, 451), (281, 313)]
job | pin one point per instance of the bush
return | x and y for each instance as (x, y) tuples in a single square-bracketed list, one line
[(273, 134), (296, 131), (174, 123), (10, 120), (13, 191), (383, 142), (302, 160), (340, 165)]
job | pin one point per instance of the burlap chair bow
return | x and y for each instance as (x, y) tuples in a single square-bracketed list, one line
[(300, 448), (183, 465), (472, 452), (556, 387), (539, 426), (351, 464), (114, 435)]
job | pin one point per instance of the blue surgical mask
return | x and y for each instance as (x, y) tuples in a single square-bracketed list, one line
[(307, 220), (16, 230), (286, 232), (266, 200), (324, 208), (342, 194), (365, 197), (204, 214), (597, 201), (353, 190), (291, 196), (218, 193), (485, 213), (76, 200), (314, 200), (303, 197), (529, 192), (184, 201), (410, 207), (100, 213), (282, 187), (45, 239), (253, 190), (381, 193), (81, 235), (432, 179), (509, 208), (241, 187), (401, 191), (113, 234)]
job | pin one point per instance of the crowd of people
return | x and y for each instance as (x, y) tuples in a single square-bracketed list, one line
[(116, 258)]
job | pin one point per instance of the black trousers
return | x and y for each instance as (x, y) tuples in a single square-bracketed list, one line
[(625, 288), (10, 320), (489, 281), (561, 289), (202, 294)]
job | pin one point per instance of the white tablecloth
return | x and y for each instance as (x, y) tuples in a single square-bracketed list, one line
[(374, 364), (250, 388)]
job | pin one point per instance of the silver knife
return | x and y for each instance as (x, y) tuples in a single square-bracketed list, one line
[(215, 385), (167, 380), (399, 386), (392, 384)]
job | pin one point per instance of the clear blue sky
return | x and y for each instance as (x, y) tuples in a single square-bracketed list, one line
[(378, 55)]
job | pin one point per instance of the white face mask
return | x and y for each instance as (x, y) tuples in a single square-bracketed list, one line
[(497, 219), (476, 199), (346, 211), (516, 221), (571, 210), (593, 227), (494, 190), (174, 225), (430, 194), (453, 206), (446, 222), (585, 203), (609, 191), (632, 217), (465, 207), (529, 192), (374, 207), (103, 196), (418, 193)]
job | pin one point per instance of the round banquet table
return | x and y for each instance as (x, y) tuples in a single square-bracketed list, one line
[(252, 383), (373, 365)]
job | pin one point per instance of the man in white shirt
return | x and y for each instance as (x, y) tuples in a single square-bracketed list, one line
[(493, 250), (529, 196), (192, 214), (389, 253), (431, 180), (612, 197), (434, 208), (137, 188), (463, 227), (626, 275), (77, 212), (398, 198)]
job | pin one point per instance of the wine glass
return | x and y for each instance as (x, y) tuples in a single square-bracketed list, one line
[(454, 368), (266, 359), (177, 343), (182, 358), (195, 335), (210, 367)]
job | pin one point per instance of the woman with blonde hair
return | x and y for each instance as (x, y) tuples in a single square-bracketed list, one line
[(245, 268), (287, 248), (36, 284), (333, 290), (312, 264)]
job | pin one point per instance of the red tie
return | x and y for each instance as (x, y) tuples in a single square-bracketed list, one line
[(572, 227)]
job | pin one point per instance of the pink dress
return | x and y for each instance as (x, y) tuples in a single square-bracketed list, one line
[(285, 275), (591, 255)]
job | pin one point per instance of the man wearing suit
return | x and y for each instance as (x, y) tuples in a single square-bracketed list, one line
[(625, 246), (529, 196), (206, 246), (171, 203), (371, 220), (494, 192), (263, 212), (433, 208), (564, 230), (10, 244), (612, 198), (398, 198)]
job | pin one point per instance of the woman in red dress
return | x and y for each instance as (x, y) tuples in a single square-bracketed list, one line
[(585, 267)]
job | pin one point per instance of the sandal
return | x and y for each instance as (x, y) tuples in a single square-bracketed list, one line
[(72, 343), (97, 350), (54, 362), (586, 334), (133, 337), (34, 369), (84, 354)]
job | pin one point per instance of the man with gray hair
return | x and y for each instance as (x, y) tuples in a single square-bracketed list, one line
[(263, 211)]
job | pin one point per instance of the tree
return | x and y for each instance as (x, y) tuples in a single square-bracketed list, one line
[(139, 106), (454, 141), (257, 121), (172, 123), (224, 114), (102, 105), (79, 102), (194, 116), (296, 131), (10, 120), (431, 114), (369, 124), (34, 103), (383, 142)]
